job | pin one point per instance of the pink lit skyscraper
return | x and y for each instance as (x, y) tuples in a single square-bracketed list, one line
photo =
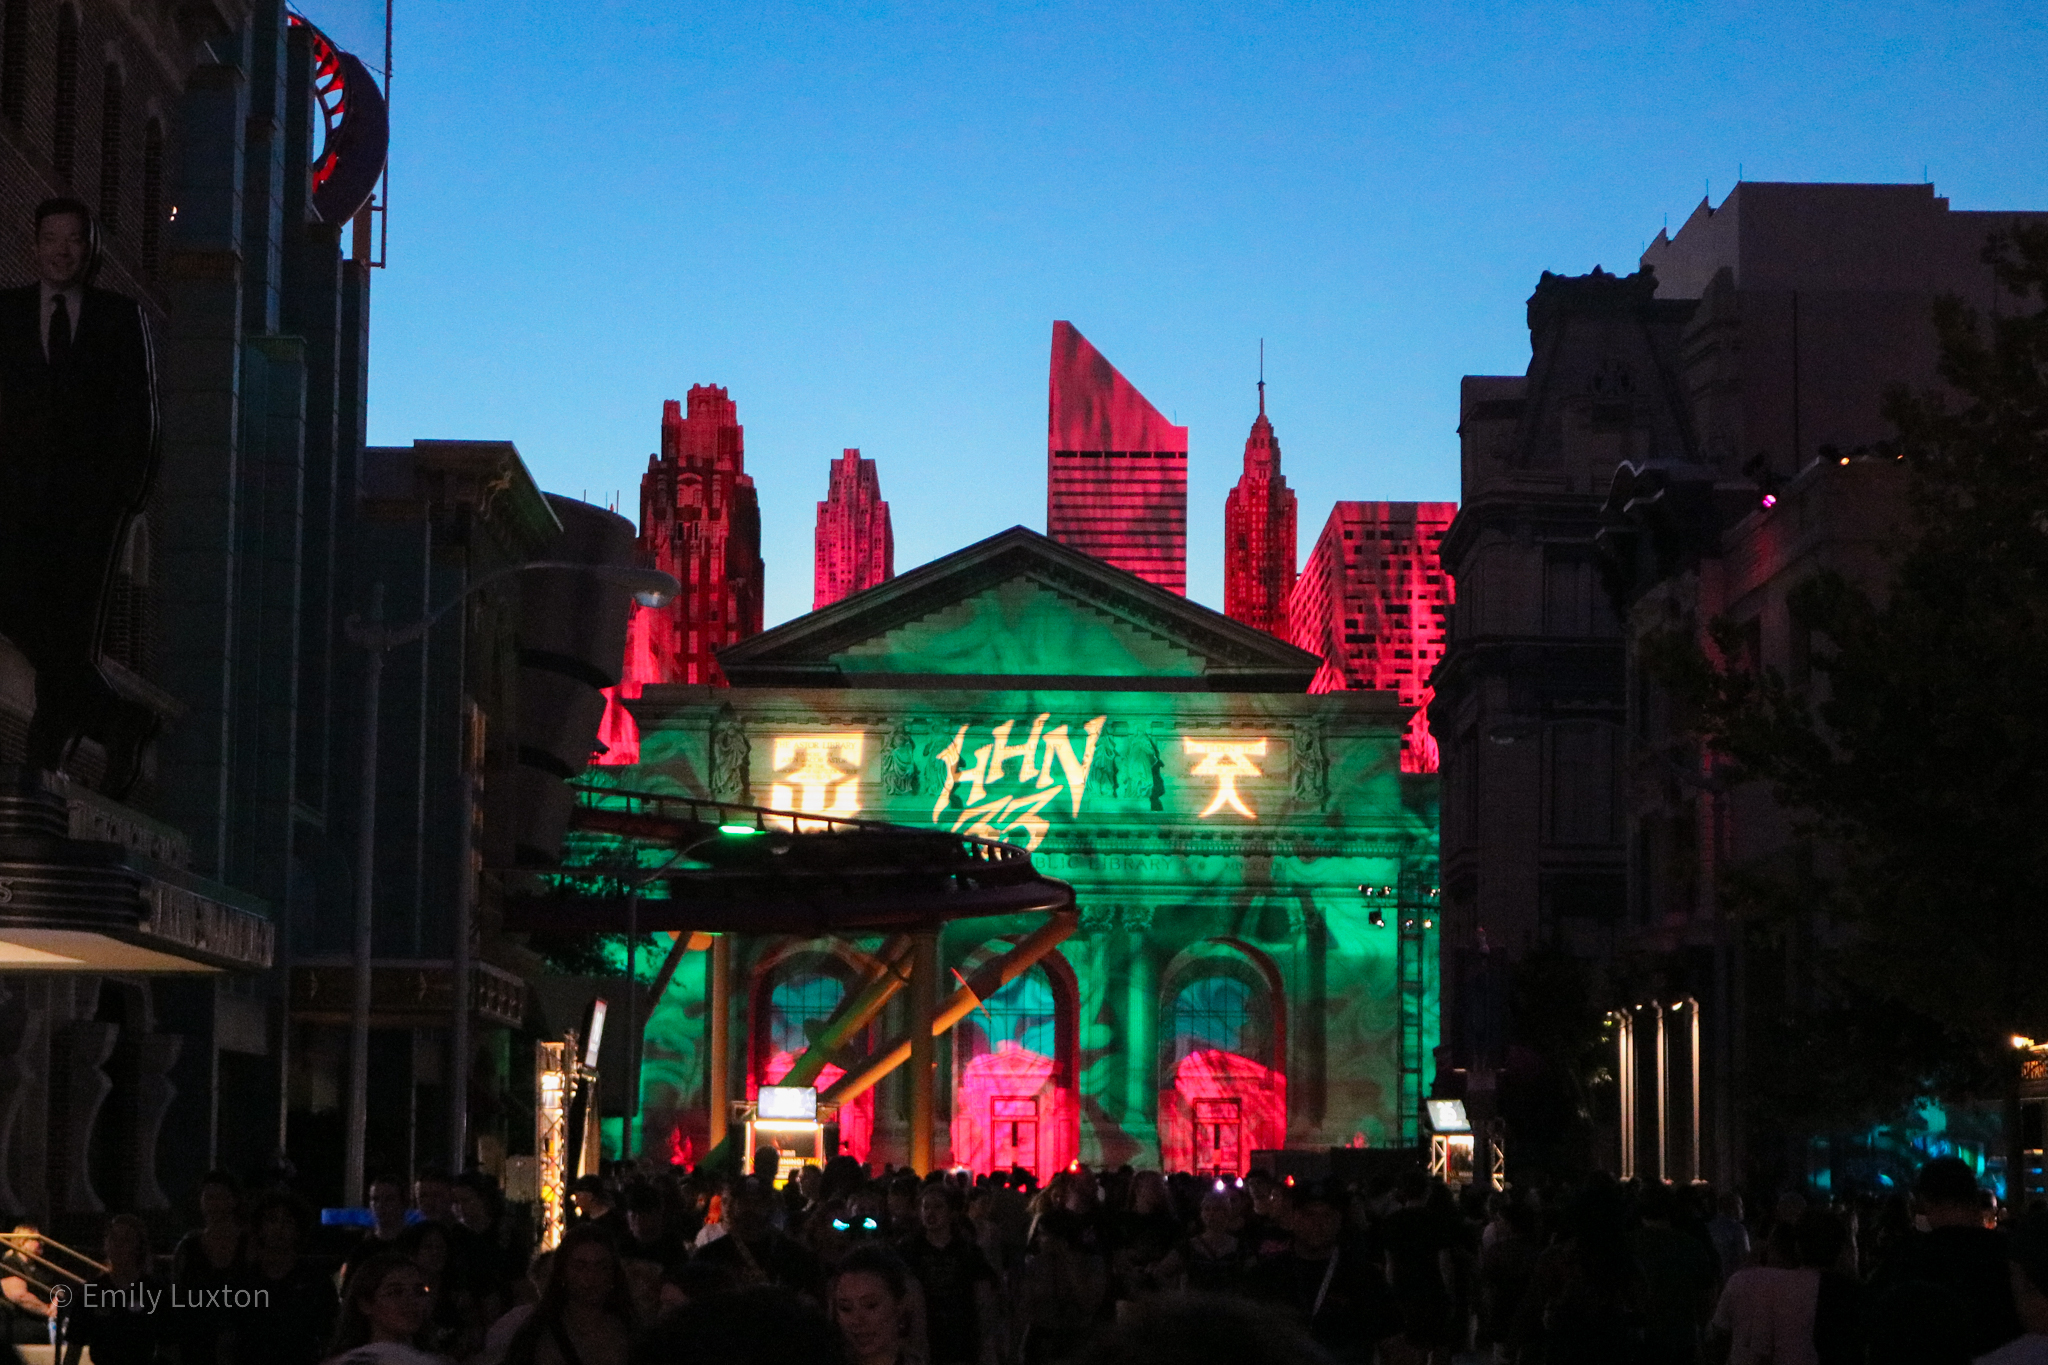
[(1117, 471), (856, 546), (1258, 535), (1373, 601)]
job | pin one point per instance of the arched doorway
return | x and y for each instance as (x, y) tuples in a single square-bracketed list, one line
[(793, 999), (1013, 1093), (1223, 1095)]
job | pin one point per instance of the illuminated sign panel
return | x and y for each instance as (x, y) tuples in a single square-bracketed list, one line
[(817, 774), (1226, 760)]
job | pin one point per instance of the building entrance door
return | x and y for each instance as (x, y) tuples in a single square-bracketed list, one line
[(1219, 1137), (1013, 1132)]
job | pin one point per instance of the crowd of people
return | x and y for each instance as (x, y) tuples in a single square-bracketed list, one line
[(843, 1267)]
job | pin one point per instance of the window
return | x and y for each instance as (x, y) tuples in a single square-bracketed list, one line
[(111, 146), (1022, 1013), (64, 126), (1213, 1013), (798, 1001)]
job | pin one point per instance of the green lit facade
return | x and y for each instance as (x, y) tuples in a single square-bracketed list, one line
[(1255, 961)]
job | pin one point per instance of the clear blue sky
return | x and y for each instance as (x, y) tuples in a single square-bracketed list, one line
[(864, 218)]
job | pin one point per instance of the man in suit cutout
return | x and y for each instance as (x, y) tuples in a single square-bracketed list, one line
[(78, 447)]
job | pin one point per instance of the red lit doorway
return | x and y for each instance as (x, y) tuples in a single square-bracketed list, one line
[(1010, 1105), (1220, 1098)]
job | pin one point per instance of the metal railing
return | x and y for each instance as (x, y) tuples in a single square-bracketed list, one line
[(26, 1247)]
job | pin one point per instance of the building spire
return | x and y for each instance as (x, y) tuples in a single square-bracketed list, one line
[(1262, 376)]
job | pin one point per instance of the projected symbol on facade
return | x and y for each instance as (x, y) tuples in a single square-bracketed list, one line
[(1226, 760), (816, 774), (1047, 767)]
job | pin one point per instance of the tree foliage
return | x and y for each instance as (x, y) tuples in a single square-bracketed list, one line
[(1915, 761)]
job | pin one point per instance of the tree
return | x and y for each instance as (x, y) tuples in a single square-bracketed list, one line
[(1915, 764)]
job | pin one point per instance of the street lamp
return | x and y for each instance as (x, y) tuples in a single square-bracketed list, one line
[(651, 588)]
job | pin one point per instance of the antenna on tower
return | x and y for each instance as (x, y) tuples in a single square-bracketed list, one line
[(1262, 376)]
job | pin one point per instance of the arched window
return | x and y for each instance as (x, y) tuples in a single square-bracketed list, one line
[(111, 147), (1021, 1015), (1013, 1091), (152, 196), (796, 1002), (64, 123), (1222, 1087), (796, 994), (1212, 1012), (13, 58)]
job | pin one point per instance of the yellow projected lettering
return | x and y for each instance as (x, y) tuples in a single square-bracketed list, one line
[(1046, 760), (816, 774), (1226, 760)]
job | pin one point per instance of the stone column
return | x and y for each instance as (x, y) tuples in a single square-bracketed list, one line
[(88, 1044), (154, 1092)]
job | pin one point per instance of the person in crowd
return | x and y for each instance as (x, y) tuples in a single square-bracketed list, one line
[(296, 1317), (2028, 1268), (116, 1322), (585, 1315), (455, 1327), (1063, 1287), (1180, 1330), (1327, 1281), (595, 1205), (206, 1259), (1417, 1251), (899, 1208), (386, 1198), (384, 1311), (753, 1252), (874, 1308), (1584, 1303), (649, 1236), (1679, 1272), (1507, 1258), (761, 1326), (489, 1265), (1212, 1260), (24, 1312), (1144, 1231), (1264, 1231), (498, 1337), (1945, 1295), (958, 1283), (1729, 1234)]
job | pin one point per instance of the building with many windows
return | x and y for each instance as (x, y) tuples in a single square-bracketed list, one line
[(856, 545), (1373, 601), (1117, 470)]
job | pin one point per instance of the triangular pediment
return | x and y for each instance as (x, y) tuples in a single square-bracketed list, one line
[(1019, 608)]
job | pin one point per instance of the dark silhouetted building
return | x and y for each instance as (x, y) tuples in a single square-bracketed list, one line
[(1372, 601), (1259, 535), (1619, 488), (700, 520), (1117, 474), (856, 545)]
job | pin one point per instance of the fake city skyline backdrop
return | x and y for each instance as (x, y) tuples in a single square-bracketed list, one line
[(863, 224)]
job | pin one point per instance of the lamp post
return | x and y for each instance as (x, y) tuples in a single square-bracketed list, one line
[(651, 588)]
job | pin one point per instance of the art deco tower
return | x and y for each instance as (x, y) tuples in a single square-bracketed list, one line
[(700, 520), (1258, 535), (1117, 476), (856, 545)]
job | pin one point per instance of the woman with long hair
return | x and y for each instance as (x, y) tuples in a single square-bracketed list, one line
[(384, 1310), (585, 1314), (875, 1309)]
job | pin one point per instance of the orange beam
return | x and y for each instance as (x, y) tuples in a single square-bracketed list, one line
[(989, 978)]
